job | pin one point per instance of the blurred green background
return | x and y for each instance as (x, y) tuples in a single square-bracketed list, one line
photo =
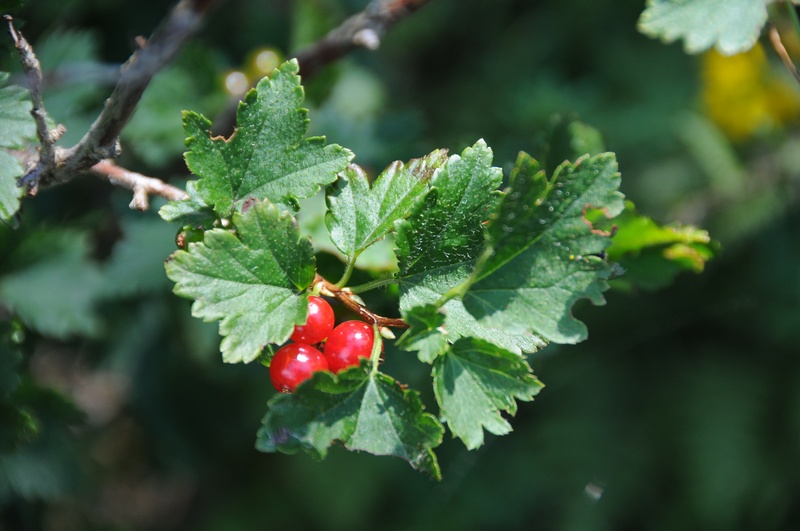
[(681, 411)]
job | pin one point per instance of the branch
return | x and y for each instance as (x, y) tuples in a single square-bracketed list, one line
[(345, 296), (102, 139), (364, 29), (141, 185), (33, 71)]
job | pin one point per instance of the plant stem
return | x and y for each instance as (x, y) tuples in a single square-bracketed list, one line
[(372, 284), (345, 296), (459, 291), (351, 265), (377, 349)]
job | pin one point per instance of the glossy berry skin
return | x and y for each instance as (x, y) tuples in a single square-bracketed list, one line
[(347, 343), (293, 364), (318, 324)]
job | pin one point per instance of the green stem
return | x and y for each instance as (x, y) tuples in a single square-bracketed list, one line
[(377, 349), (459, 291), (372, 284), (351, 265)]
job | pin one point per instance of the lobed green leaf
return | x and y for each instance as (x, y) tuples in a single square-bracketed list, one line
[(732, 26), (425, 334), (16, 122), (191, 211), (542, 249), (439, 243), (16, 127), (360, 215), (267, 157), (651, 254), (474, 381), (365, 411), (251, 282), (448, 230)]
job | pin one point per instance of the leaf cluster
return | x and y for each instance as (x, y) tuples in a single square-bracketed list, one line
[(486, 274)]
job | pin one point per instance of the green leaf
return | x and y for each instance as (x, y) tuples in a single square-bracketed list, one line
[(192, 211), (16, 127), (360, 215), (652, 254), (377, 258), (541, 249), (65, 269), (251, 283), (448, 230), (10, 193), (365, 411), (425, 334), (429, 337), (566, 139), (732, 26), (267, 157), (474, 382), (636, 232), (439, 243), (16, 122)]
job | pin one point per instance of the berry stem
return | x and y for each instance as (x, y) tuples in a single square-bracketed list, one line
[(345, 296), (377, 350)]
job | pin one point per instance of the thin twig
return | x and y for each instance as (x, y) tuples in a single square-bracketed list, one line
[(363, 30), (141, 185), (345, 296), (33, 71), (775, 39), (102, 140)]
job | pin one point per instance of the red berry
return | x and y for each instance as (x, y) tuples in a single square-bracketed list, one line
[(318, 325), (293, 364), (347, 343)]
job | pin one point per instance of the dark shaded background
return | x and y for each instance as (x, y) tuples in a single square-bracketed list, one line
[(681, 411)]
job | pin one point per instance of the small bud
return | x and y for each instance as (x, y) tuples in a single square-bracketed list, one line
[(56, 133), (368, 38)]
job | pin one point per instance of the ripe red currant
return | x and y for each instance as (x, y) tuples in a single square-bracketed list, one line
[(293, 364), (347, 343), (318, 325)]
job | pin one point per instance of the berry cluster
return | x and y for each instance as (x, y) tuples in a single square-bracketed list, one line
[(294, 363)]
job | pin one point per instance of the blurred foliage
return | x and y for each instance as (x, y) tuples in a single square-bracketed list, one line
[(731, 26), (742, 95), (681, 411)]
